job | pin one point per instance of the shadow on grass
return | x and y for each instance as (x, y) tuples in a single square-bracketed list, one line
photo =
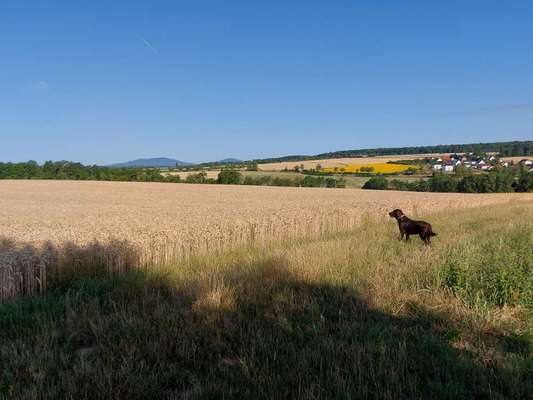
[(258, 331)]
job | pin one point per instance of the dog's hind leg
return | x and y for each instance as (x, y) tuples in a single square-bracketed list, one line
[(406, 237)]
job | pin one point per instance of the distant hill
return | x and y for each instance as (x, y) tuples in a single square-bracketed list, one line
[(230, 160), (514, 148), (151, 163)]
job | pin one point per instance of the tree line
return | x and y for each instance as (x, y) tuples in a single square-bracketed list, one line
[(233, 177), (497, 181), (505, 149), (66, 170)]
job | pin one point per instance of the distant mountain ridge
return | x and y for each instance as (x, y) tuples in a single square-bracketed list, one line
[(230, 160), (157, 162)]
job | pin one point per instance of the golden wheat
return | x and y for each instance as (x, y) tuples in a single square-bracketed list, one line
[(341, 162), (70, 225)]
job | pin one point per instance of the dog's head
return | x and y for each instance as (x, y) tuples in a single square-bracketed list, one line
[(396, 213)]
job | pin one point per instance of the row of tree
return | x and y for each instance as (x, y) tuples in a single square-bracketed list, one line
[(233, 177), (498, 181), (76, 171), (504, 149), (65, 170)]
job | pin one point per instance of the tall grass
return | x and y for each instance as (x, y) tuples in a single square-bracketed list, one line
[(346, 315)]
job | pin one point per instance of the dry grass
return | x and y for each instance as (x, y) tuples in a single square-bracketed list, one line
[(355, 314), (66, 224), (341, 162)]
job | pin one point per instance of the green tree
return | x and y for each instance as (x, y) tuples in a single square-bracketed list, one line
[(229, 177), (377, 183)]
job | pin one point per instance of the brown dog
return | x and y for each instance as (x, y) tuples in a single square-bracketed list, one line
[(409, 227)]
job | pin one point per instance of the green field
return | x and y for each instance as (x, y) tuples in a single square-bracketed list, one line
[(349, 315)]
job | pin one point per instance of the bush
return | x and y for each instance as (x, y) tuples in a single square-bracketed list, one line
[(443, 183), (525, 182), (200, 177), (331, 182), (377, 183), (311, 181), (229, 177)]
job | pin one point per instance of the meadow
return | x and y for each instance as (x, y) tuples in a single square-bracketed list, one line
[(343, 314)]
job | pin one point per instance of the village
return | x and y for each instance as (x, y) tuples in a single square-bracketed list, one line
[(450, 163)]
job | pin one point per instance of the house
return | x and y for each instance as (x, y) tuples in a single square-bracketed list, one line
[(456, 157), (448, 167)]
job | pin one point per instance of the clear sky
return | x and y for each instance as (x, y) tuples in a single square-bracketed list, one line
[(108, 81)]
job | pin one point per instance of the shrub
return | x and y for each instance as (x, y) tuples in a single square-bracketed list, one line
[(331, 182), (377, 183), (199, 177), (311, 181), (443, 183), (525, 182), (229, 177)]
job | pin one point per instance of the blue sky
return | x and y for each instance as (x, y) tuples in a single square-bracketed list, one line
[(109, 81)]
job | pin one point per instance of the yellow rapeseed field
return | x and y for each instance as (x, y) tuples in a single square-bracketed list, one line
[(341, 162), (59, 225), (375, 168)]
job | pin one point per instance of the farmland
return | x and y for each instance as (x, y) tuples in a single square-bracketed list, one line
[(374, 168), (360, 313), (341, 162), (135, 224), (517, 159)]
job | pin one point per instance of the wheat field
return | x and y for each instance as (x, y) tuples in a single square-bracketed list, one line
[(341, 162), (60, 225)]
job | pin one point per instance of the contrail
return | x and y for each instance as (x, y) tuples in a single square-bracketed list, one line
[(149, 45)]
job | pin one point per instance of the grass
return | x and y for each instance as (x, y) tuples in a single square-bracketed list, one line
[(347, 315)]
